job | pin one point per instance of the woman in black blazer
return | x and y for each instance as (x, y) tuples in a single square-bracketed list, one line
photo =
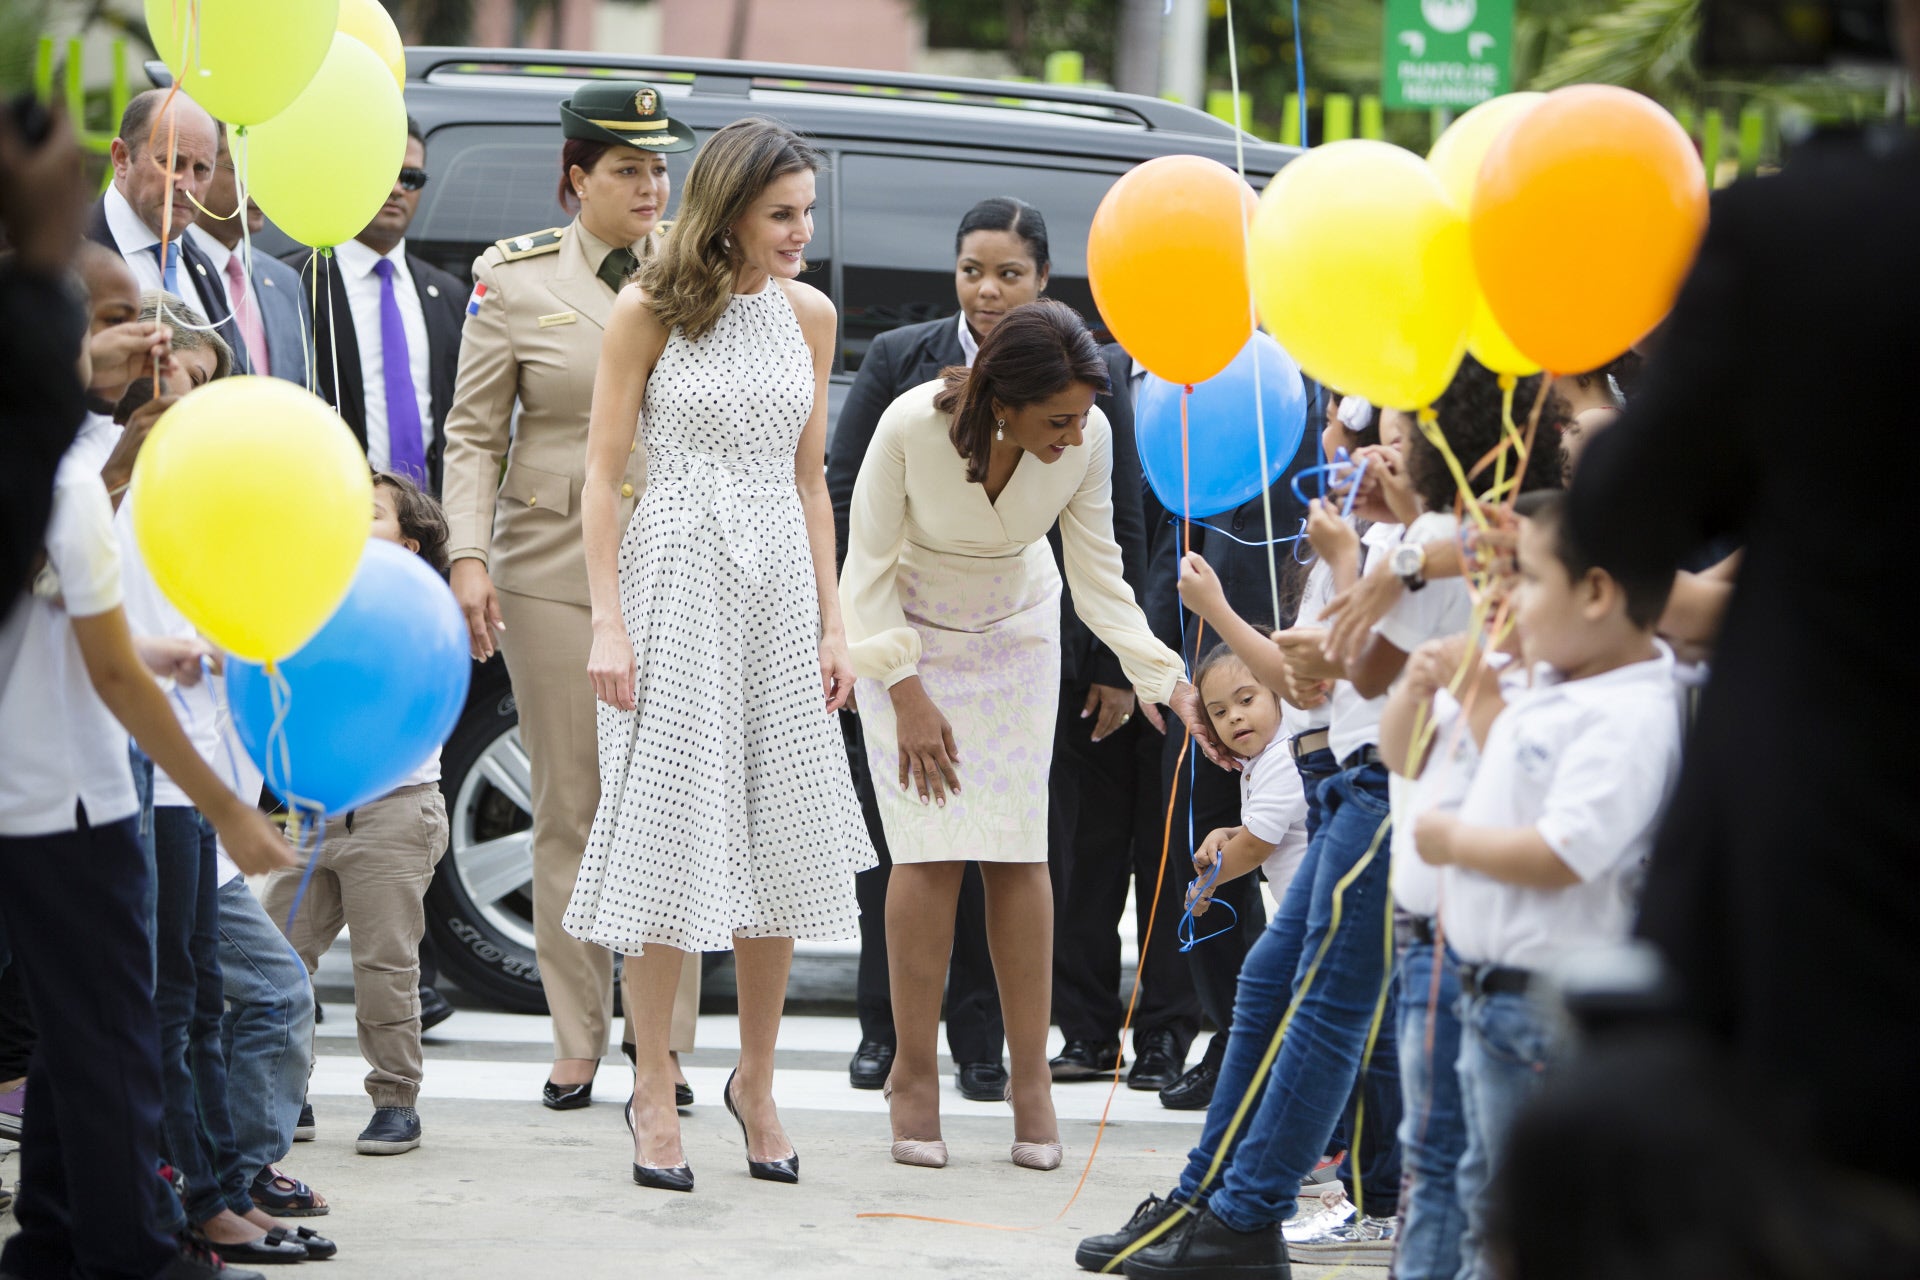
[(1001, 261)]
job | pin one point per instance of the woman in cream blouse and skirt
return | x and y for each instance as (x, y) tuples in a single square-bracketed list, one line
[(951, 603)]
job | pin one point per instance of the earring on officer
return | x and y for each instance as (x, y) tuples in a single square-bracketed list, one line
[(1000, 429)]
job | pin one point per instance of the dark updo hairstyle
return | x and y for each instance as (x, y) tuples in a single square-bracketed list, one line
[(1470, 414), (586, 153), (1039, 350), (1006, 213)]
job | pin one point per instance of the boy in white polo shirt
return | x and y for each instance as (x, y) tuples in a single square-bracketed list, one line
[(74, 903), (1543, 858)]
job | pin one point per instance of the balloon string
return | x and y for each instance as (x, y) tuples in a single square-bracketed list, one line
[(310, 350), (333, 329)]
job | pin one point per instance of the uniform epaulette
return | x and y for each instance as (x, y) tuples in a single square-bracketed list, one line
[(531, 245)]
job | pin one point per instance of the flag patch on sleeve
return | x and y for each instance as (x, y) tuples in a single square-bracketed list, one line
[(479, 296)]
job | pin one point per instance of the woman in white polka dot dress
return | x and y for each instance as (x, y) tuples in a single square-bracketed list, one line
[(727, 816)]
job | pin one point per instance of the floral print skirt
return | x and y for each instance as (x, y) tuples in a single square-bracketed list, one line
[(990, 660)]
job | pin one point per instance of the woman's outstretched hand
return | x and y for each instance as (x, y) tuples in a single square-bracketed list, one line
[(1186, 704), (929, 757), (611, 666), (836, 672)]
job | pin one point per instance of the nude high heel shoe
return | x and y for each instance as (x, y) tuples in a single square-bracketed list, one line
[(925, 1155), (1044, 1156)]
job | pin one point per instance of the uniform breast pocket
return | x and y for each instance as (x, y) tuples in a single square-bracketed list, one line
[(537, 490)]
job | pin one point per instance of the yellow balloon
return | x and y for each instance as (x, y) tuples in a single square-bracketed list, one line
[(243, 60), (369, 22), (251, 508), (1456, 158), (323, 167), (1361, 270)]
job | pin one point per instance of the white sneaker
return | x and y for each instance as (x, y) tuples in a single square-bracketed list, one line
[(1365, 1243), (1315, 1217)]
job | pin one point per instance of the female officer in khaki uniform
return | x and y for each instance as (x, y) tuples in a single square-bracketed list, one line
[(533, 335)]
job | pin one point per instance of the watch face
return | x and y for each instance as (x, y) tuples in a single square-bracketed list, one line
[(1406, 560)]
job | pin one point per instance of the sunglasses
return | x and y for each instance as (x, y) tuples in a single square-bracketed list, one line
[(412, 179)]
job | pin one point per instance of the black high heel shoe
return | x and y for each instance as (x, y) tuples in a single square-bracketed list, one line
[(678, 1178), (566, 1097), (785, 1169)]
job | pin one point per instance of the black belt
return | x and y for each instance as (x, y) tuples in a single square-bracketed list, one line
[(1494, 980), (1420, 930), (1364, 756)]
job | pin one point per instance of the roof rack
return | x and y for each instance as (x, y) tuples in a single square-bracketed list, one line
[(719, 77)]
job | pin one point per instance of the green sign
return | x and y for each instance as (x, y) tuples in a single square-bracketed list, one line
[(1447, 53)]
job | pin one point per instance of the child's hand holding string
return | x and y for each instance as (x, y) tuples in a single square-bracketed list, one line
[(1205, 859), (1303, 649), (1200, 588), (1333, 538)]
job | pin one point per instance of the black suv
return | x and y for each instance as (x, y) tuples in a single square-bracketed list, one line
[(907, 155)]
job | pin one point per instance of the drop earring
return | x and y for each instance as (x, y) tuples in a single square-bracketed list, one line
[(1000, 429)]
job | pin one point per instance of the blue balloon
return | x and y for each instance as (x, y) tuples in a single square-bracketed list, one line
[(1223, 447), (370, 697)]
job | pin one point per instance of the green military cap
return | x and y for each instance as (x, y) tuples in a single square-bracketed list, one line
[(625, 113)]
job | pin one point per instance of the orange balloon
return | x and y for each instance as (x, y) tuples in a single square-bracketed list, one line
[(1585, 220), (1167, 260)]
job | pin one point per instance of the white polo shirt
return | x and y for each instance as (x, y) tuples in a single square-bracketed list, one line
[(1313, 600), (1355, 721), (1590, 765), (59, 745), (1273, 807), (355, 262)]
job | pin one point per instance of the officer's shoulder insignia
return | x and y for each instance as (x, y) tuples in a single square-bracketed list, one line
[(531, 245)]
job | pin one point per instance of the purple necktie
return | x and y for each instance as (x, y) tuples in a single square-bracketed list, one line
[(406, 453)]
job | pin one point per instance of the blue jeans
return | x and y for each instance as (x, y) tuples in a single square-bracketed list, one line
[(1315, 768), (1506, 1046), (268, 1030), (1289, 1128), (1432, 1132), (190, 998)]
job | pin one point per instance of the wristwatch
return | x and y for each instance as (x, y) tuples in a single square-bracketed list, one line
[(1409, 564)]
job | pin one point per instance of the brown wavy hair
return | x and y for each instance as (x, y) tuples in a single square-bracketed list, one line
[(1037, 350), (689, 281)]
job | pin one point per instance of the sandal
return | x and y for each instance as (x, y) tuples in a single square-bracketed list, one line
[(284, 1196), (318, 1247)]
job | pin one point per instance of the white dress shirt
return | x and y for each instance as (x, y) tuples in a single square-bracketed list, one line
[(135, 240), (356, 262), (1588, 764), (969, 346), (59, 745)]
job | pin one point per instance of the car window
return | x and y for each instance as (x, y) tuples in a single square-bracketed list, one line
[(898, 220), (494, 181)]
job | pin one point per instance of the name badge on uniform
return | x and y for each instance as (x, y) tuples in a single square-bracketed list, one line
[(559, 317)]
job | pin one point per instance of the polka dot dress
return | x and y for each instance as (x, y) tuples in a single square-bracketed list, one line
[(726, 808)]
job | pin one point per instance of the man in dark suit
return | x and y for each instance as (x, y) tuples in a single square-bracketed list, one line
[(269, 307), (1783, 890), (394, 320), (135, 209)]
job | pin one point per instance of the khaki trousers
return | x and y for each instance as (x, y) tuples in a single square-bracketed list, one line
[(370, 878), (546, 643)]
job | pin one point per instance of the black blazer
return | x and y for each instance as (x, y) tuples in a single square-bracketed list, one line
[(209, 290), (1787, 855), (904, 358), (443, 301)]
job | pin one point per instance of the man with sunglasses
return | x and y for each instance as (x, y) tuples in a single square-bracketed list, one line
[(391, 321)]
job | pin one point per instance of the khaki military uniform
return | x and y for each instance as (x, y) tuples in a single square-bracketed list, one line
[(533, 336)]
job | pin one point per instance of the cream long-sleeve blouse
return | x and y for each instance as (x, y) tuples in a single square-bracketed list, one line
[(913, 488)]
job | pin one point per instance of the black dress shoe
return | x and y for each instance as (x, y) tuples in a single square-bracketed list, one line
[(981, 1081), (1096, 1252), (318, 1247), (871, 1062), (1194, 1090), (1086, 1060), (566, 1097), (678, 1178), (264, 1252), (434, 1008), (785, 1169), (1205, 1247), (1157, 1060)]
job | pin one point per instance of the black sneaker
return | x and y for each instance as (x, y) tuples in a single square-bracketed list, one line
[(1157, 1060), (1194, 1090), (434, 1008), (1095, 1252), (303, 1129), (392, 1130), (1205, 1248), (1086, 1060)]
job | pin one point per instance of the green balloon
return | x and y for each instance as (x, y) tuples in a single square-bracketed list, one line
[(323, 167), (243, 60)]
